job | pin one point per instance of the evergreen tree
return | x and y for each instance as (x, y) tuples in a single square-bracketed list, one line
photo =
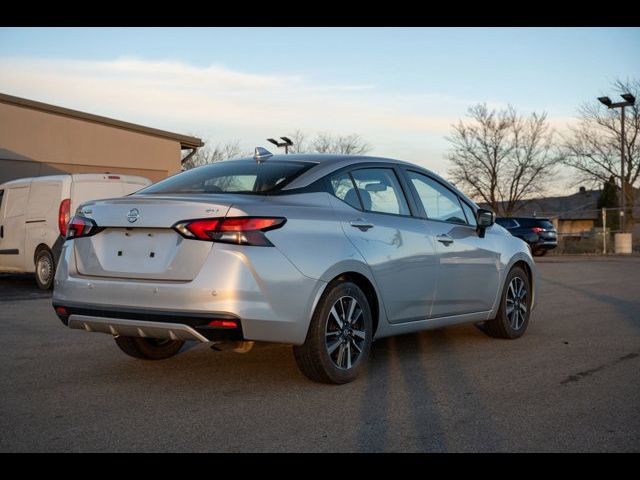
[(609, 199)]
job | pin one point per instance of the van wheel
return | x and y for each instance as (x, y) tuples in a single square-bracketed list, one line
[(45, 269), (149, 348), (339, 338)]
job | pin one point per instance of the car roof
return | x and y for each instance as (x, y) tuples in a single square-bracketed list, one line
[(326, 163)]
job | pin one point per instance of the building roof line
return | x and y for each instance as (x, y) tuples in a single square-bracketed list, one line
[(185, 140)]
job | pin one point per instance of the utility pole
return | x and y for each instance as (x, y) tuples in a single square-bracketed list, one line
[(629, 101), (604, 230)]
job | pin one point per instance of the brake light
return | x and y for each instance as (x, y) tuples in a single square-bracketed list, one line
[(238, 230), (537, 229), (223, 324), (82, 227), (63, 216)]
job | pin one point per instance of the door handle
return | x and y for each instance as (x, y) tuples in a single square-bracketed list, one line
[(444, 239), (361, 223), (1, 231)]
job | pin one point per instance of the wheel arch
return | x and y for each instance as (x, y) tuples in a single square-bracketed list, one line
[(358, 274), (39, 248), (525, 262)]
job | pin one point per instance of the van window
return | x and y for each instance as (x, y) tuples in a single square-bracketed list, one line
[(16, 201)]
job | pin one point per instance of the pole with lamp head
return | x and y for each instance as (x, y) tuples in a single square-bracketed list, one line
[(629, 101)]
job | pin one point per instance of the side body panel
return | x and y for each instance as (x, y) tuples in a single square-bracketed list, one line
[(12, 243)]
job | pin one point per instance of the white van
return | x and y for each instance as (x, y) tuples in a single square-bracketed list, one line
[(34, 213)]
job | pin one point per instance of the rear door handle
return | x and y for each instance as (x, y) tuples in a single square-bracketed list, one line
[(444, 239), (1, 231), (361, 223)]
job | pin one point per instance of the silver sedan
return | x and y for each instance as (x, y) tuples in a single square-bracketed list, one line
[(323, 252)]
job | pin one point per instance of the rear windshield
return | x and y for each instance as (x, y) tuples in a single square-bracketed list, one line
[(534, 222), (233, 176)]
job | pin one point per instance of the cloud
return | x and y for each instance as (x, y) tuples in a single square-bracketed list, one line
[(221, 103)]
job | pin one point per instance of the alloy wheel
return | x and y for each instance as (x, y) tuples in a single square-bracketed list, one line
[(516, 303), (345, 332)]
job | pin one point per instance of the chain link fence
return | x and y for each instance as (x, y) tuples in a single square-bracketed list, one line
[(592, 231)]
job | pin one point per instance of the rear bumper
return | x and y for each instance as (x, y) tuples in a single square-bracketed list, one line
[(549, 245), (258, 286), (148, 323)]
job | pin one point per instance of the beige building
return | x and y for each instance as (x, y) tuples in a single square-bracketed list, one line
[(41, 139)]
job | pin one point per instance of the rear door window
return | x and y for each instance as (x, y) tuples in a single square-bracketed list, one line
[(379, 191), (343, 188)]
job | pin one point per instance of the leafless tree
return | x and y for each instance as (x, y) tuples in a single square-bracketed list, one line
[(592, 147), (324, 142), (501, 157), (300, 144), (206, 154)]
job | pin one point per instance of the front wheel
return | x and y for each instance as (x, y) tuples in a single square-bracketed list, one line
[(149, 348), (515, 307), (339, 338)]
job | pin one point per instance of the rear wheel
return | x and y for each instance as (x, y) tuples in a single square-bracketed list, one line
[(149, 348), (339, 338), (515, 307), (45, 269)]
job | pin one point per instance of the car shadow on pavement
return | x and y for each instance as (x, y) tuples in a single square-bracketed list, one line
[(434, 386)]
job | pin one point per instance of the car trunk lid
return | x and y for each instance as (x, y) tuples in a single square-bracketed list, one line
[(138, 241)]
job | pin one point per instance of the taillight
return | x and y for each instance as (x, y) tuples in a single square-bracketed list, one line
[(63, 216), (82, 227), (537, 229), (238, 230), (223, 324)]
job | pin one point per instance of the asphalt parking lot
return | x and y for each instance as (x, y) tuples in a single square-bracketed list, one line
[(572, 383)]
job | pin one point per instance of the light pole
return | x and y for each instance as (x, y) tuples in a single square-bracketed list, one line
[(629, 101), (286, 143)]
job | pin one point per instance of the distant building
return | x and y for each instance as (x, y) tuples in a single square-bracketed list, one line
[(41, 139)]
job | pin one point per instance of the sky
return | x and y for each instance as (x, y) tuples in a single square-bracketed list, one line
[(401, 89)]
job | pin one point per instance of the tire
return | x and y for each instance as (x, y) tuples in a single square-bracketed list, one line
[(45, 269), (325, 360), (149, 348), (505, 325), (539, 253)]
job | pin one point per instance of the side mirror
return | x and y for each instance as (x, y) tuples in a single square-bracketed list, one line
[(484, 218)]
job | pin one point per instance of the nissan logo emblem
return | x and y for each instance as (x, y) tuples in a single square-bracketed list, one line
[(133, 215)]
